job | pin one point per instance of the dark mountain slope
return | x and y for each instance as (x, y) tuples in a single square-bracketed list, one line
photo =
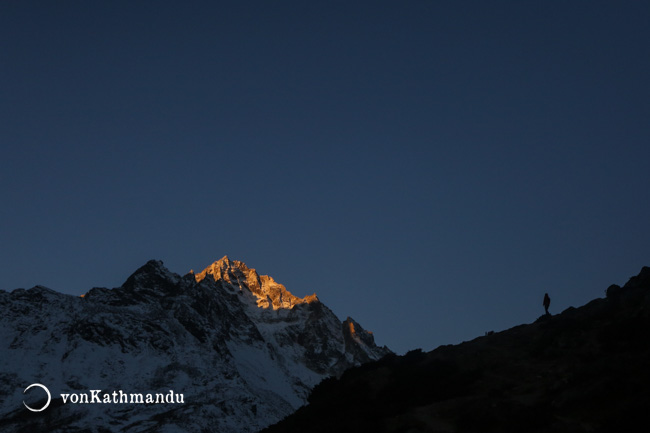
[(585, 370)]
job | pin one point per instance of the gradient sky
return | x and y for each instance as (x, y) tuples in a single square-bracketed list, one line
[(429, 168)]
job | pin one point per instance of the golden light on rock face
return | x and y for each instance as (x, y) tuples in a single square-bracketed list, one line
[(352, 330), (269, 293)]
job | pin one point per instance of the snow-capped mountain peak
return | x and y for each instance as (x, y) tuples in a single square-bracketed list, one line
[(241, 348), (268, 292)]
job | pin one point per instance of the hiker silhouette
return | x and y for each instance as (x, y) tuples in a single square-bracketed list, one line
[(546, 303)]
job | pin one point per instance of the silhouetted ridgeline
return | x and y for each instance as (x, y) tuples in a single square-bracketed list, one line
[(585, 370)]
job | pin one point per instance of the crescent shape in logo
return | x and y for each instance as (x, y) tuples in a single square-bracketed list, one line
[(49, 397)]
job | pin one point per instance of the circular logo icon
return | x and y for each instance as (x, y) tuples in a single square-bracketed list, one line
[(49, 397)]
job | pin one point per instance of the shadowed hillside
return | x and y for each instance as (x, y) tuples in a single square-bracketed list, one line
[(584, 370)]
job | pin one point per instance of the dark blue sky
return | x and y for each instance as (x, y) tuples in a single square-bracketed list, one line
[(428, 168)]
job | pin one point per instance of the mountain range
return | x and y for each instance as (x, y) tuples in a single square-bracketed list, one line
[(239, 347)]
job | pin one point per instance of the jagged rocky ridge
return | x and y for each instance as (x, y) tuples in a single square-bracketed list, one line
[(584, 370), (242, 349)]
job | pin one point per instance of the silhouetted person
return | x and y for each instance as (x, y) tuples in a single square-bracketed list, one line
[(547, 303)]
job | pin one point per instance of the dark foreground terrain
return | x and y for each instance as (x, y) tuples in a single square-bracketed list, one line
[(585, 370)]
